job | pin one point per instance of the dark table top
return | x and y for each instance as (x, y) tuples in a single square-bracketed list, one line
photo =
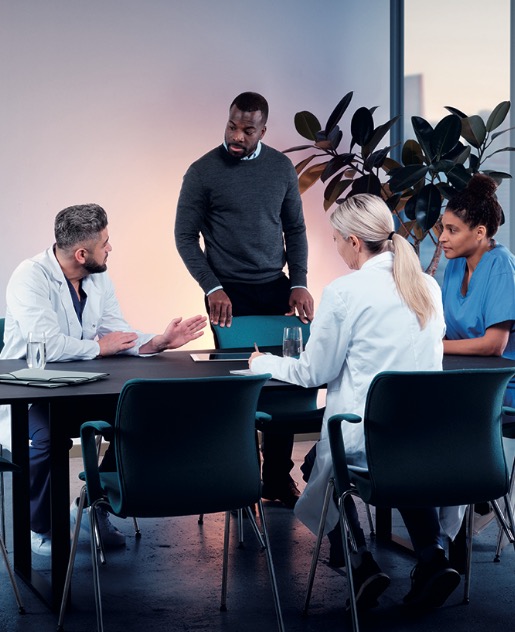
[(169, 364), (120, 369)]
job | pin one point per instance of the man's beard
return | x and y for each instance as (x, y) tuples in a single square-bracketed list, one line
[(94, 268)]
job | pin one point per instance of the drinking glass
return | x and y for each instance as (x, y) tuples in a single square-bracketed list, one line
[(36, 350), (292, 342)]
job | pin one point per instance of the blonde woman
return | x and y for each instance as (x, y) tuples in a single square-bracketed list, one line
[(387, 315)]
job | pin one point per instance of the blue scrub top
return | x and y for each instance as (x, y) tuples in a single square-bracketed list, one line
[(490, 299)]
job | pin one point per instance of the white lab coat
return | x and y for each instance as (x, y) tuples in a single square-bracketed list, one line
[(38, 299), (360, 329)]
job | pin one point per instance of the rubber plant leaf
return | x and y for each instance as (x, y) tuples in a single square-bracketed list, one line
[(376, 159), (410, 207), (459, 153), (330, 196), (473, 130), (406, 177), (423, 132), (459, 177), (412, 153), (298, 148), (455, 111), (496, 118), (338, 112), (308, 178), (428, 207), (307, 125), (369, 183), (304, 163), (494, 136), (335, 164), (378, 135), (362, 126), (446, 190), (446, 135)]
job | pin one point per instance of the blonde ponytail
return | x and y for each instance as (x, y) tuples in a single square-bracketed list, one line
[(410, 282), (368, 217)]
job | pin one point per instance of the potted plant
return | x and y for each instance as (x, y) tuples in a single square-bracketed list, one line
[(434, 165)]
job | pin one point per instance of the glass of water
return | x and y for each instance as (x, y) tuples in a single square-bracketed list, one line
[(36, 350), (292, 342)]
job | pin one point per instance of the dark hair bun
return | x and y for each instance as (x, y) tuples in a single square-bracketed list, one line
[(481, 186)]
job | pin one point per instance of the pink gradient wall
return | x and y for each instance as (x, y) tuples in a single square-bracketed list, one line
[(110, 101)]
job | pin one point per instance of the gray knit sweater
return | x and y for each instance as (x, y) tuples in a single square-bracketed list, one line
[(249, 213)]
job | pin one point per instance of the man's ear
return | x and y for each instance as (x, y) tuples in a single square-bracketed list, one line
[(80, 255)]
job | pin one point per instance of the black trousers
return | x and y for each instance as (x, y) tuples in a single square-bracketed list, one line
[(39, 453), (261, 299)]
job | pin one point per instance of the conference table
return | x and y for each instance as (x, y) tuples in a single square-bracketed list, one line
[(68, 406)]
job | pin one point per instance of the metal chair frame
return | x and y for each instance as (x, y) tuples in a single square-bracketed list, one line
[(7, 466), (140, 389), (347, 482)]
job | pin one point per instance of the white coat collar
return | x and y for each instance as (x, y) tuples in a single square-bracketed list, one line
[(383, 259)]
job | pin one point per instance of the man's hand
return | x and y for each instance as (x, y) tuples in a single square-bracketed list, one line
[(178, 333), (116, 341), (302, 301), (220, 308)]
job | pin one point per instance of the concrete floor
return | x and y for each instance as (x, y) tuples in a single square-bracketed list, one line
[(170, 581)]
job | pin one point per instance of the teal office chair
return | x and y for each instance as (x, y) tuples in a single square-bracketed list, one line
[(433, 439), (508, 432), (7, 466), (293, 412), (183, 447), (2, 487)]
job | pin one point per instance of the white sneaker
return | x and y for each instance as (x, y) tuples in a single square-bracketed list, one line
[(482, 521), (41, 543), (111, 536)]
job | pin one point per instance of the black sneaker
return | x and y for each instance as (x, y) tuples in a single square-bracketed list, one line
[(432, 582), (288, 494), (336, 554), (369, 582)]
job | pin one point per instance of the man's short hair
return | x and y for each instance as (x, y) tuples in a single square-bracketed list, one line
[(77, 224), (252, 102)]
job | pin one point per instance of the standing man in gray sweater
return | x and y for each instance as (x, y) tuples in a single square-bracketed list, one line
[(243, 198)]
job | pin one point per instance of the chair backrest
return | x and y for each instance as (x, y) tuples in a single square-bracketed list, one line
[(433, 438), (266, 331), (2, 329), (8, 466), (187, 446)]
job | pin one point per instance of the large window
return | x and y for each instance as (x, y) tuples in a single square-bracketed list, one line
[(458, 54)]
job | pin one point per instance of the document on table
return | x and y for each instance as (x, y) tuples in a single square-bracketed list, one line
[(49, 378)]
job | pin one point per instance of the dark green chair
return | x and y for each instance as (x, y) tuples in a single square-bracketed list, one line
[(292, 411), (508, 432), (7, 466), (183, 447), (433, 439), (2, 507)]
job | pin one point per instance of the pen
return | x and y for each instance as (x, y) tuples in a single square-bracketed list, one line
[(256, 347)]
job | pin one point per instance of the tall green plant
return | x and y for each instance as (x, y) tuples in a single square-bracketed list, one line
[(433, 167), (344, 173)]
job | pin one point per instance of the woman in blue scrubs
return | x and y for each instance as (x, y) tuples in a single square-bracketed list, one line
[(479, 283)]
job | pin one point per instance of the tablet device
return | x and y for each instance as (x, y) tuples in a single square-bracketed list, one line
[(221, 356)]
